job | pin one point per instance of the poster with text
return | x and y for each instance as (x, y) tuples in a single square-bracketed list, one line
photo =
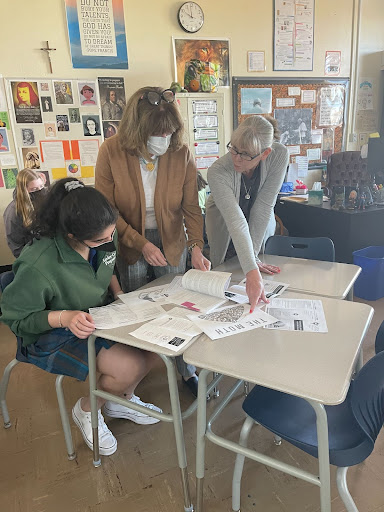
[(96, 32), (26, 103), (112, 97)]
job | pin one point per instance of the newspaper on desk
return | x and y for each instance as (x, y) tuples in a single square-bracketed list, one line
[(117, 315), (231, 320), (237, 293), (297, 315), (172, 332)]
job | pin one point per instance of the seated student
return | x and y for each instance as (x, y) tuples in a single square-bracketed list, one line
[(64, 272), (19, 214), (244, 185)]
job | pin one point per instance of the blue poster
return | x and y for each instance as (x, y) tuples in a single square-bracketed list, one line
[(96, 32)]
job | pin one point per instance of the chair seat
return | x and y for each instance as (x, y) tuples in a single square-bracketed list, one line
[(294, 420)]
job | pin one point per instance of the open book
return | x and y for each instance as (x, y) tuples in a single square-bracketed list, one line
[(200, 291)]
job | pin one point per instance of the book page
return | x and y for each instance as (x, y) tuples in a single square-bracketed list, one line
[(211, 283), (196, 301), (116, 315)]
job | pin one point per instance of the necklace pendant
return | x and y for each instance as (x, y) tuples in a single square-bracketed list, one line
[(150, 166), (247, 196)]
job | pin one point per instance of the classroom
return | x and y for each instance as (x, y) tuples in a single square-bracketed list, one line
[(64, 94)]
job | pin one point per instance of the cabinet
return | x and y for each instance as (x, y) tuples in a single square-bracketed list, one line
[(203, 116)]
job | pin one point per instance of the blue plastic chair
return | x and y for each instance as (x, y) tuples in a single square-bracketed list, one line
[(379, 342), (5, 279), (353, 426), (320, 248)]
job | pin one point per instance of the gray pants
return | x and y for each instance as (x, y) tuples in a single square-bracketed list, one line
[(134, 276)]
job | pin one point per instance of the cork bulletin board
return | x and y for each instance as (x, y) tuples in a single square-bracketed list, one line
[(311, 113)]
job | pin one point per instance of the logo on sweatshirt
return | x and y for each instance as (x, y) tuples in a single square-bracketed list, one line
[(109, 259)]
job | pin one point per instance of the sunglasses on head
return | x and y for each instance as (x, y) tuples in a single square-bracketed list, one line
[(154, 98)]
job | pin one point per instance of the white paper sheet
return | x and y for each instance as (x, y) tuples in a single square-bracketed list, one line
[(7, 160), (205, 121), (207, 148), (294, 91), (53, 154), (232, 320), (285, 102), (302, 166), (168, 331), (204, 106), (157, 294), (117, 315), (88, 152), (314, 154), (308, 96), (206, 133), (297, 315), (317, 136), (271, 288)]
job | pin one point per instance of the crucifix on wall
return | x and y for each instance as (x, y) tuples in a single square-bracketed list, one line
[(48, 51)]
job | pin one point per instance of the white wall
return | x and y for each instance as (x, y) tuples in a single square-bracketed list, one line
[(149, 27)]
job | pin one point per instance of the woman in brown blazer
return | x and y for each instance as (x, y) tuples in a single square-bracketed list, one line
[(150, 176)]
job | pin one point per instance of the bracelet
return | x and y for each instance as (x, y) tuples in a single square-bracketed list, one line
[(61, 312), (192, 246)]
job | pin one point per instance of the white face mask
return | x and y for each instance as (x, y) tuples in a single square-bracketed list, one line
[(158, 145)]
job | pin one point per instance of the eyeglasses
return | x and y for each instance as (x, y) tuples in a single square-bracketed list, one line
[(154, 98), (243, 156)]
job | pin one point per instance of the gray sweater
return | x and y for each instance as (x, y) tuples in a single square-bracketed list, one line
[(224, 217)]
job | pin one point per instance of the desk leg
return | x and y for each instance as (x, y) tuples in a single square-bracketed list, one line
[(323, 452), (178, 427), (350, 294), (93, 398), (200, 437)]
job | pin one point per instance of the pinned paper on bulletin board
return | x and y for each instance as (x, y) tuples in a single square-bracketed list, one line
[(332, 63), (86, 151), (54, 153)]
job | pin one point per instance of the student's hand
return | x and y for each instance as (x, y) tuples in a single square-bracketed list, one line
[(255, 289), (79, 323), (153, 255), (268, 269), (198, 260)]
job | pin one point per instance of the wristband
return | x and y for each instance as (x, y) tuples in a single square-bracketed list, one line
[(61, 312)]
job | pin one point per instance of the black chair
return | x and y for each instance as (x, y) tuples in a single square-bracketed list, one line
[(353, 426), (5, 279), (320, 248), (379, 342)]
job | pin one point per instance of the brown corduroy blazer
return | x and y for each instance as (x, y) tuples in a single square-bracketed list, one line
[(118, 177)]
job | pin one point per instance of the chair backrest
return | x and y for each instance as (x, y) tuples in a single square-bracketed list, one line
[(347, 168), (320, 248), (367, 397)]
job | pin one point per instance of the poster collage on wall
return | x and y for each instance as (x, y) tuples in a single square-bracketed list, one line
[(57, 125)]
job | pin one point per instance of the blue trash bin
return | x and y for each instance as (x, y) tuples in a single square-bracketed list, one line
[(370, 283)]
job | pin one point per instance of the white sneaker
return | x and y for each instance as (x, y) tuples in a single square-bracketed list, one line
[(120, 411), (107, 441)]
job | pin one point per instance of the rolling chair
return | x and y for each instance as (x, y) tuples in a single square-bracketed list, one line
[(379, 342), (320, 248), (353, 425), (5, 279)]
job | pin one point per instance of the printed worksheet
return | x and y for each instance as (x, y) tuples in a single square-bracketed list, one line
[(117, 315), (168, 331), (272, 289), (157, 294), (297, 315), (233, 320)]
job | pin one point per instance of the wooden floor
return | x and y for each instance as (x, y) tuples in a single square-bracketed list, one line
[(35, 475)]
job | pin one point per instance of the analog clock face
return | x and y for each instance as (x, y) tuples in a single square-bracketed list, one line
[(191, 17)]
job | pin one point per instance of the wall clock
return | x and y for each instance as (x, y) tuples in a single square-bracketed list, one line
[(191, 17)]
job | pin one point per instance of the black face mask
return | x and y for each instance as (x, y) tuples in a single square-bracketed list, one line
[(38, 195), (106, 247)]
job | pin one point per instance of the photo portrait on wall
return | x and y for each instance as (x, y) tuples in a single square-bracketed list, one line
[(46, 104), (31, 158), (112, 98), (91, 125), (4, 144), (74, 115), (28, 136), (110, 128), (26, 102), (63, 92), (62, 123)]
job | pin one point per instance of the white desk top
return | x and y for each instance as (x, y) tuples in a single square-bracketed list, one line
[(317, 366), (323, 278), (121, 334)]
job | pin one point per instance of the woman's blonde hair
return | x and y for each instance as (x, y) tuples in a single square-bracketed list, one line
[(255, 134), (24, 205), (141, 119)]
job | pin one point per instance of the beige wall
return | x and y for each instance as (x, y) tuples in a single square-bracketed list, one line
[(149, 27)]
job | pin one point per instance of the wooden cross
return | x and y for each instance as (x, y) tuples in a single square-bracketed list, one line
[(47, 49)]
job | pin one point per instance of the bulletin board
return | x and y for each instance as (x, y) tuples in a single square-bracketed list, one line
[(311, 113), (58, 124)]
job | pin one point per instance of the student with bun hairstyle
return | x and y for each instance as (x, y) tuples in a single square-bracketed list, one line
[(65, 271)]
